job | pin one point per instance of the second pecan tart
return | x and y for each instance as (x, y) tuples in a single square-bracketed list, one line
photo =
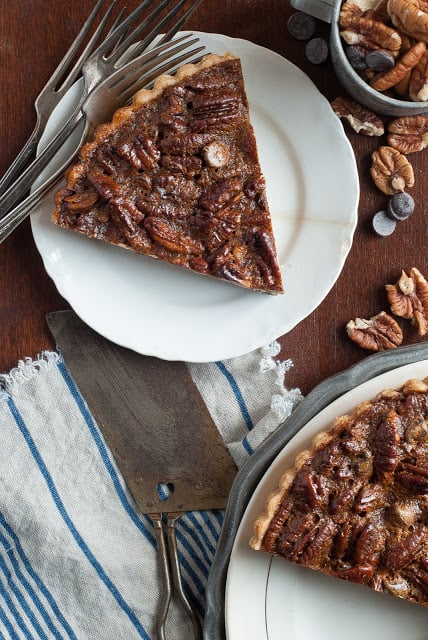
[(176, 176), (355, 506)]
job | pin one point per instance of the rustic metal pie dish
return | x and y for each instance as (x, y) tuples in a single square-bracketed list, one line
[(275, 594)]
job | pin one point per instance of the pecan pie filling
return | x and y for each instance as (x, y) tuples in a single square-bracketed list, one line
[(176, 176), (356, 505)]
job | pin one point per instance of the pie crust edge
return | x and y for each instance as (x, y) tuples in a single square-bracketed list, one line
[(321, 439), (143, 96)]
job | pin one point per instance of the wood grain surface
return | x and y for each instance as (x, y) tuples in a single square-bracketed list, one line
[(34, 35)]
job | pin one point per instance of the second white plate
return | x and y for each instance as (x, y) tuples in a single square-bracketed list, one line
[(313, 191), (271, 599)]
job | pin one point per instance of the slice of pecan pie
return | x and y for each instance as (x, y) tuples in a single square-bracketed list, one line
[(176, 176), (355, 506)]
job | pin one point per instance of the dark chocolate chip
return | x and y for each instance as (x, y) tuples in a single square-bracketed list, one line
[(301, 25), (401, 206), (383, 224), (317, 50), (380, 60), (356, 57)]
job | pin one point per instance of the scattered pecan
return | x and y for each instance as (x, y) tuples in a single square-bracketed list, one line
[(379, 333), (409, 60), (408, 134), (391, 171), (408, 298), (361, 120)]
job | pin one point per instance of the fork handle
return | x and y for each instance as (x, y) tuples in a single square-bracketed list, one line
[(175, 565), (20, 188), (13, 218), (27, 151)]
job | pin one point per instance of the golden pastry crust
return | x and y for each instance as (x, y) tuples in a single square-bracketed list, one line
[(355, 504)]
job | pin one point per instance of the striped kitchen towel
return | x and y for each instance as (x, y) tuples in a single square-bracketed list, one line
[(77, 559)]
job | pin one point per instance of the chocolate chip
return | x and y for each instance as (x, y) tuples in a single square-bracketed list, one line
[(383, 224), (380, 60), (401, 206), (356, 57), (301, 25), (317, 50)]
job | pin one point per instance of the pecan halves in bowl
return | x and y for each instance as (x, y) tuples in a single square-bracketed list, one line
[(379, 333), (372, 34), (387, 79), (408, 298), (391, 171), (410, 17)]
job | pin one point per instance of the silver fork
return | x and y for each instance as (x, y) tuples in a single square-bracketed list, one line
[(56, 87), (113, 92), (108, 57)]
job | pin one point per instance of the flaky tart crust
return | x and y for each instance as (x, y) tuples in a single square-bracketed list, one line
[(176, 176), (355, 504)]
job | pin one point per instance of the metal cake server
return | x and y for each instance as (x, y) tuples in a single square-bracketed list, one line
[(159, 432)]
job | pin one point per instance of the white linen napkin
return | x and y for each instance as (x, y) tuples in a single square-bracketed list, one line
[(77, 559)]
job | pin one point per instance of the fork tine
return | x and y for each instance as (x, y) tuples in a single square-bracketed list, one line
[(49, 94), (77, 43), (117, 35), (149, 61), (180, 23), (159, 28), (89, 48), (150, 75), (133, 36)]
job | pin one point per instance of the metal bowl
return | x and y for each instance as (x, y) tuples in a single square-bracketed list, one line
[(357, 87)]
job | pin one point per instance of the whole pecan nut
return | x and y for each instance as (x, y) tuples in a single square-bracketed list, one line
[(379, 333), (391, 171), (408, 134), (408, 298)]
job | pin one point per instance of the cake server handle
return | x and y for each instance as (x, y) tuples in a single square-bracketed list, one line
[(170, 566)]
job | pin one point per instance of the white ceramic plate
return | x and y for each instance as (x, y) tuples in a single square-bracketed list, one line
[(313, 189), (271, 599)]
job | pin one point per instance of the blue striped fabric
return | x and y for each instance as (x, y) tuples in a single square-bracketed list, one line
[(77, 559)]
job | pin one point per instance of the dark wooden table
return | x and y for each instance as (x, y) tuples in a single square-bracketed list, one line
[(34, 36)]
